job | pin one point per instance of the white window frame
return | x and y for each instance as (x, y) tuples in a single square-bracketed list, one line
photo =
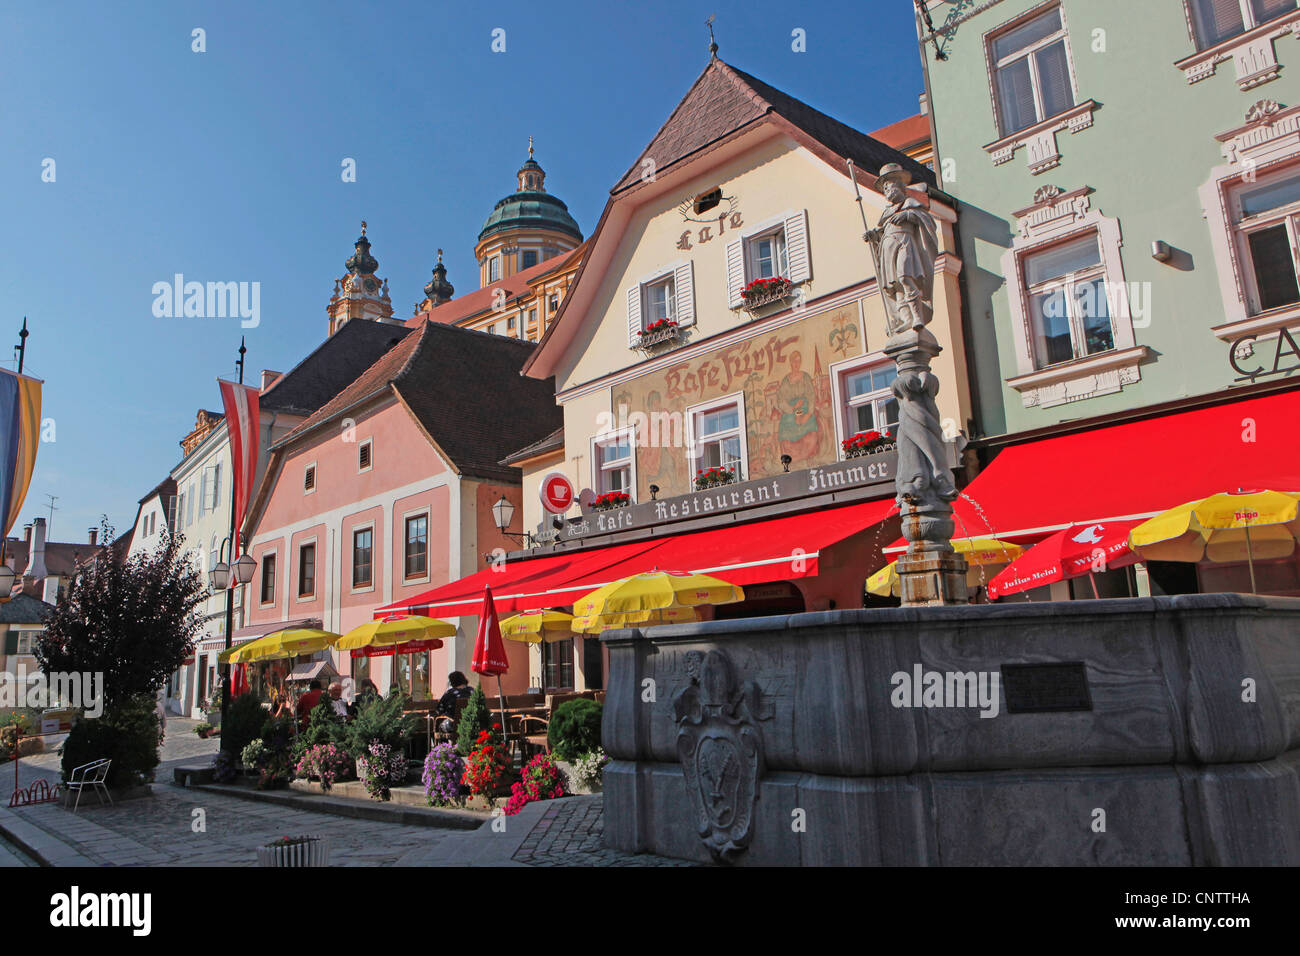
[(681, 275), (1055, 218), (30, 635), (598, 468), (493, 266), (315, 570), (739, 257), (1266, 147), (315, 478), (840, 372), (352, 558), (428, 545), (1066, 284), (668, 280), (1242, 228), (1252, 51), (695, 453), (781, 267), (367, 443), (1035, 83)]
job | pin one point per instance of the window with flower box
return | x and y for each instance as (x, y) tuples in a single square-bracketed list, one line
[(717, 437), (660, 306), (774, 249), (612, 461), (869, 402)]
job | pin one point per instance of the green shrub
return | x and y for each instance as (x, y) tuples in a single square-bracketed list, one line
[(474, 719), (127, 733), (323, 727), (382, 720), (574, 729), (275, 765), (243, 723)]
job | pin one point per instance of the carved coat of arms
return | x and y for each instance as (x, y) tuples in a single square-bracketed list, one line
[(721, 751)]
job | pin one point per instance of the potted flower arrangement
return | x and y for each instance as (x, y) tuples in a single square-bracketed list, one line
[(612, 499), (866, 443), (715, 475), (252, 757), (444, 769), (326, 763), (486, 765), (656, 332), (294, 851), (204, 730), (585, 777), (541, 780), (762, 292), (381, 768)]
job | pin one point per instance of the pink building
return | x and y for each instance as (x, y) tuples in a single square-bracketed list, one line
[(386, 491)]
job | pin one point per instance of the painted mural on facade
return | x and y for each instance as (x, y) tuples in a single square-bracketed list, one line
[(784, 375)]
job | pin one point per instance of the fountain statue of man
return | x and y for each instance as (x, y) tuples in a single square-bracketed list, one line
[(905, 248)]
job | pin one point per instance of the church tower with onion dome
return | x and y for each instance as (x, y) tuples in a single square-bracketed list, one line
[(525, 228), (359, 294)]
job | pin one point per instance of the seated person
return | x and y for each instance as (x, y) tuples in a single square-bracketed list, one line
[(336, 700), (307, 703), (458, 689)]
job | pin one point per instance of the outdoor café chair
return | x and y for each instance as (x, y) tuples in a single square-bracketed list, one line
[(91, 775)]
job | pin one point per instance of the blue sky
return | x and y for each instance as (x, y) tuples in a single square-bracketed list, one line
[(225, 166)]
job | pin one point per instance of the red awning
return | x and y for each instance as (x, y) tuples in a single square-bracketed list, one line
[(1134, 470), (778, 549)]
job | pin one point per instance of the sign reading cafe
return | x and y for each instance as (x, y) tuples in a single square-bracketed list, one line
[(853, 474), (1243, 352)]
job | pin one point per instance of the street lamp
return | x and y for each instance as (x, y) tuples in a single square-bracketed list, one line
[(244, 569), (503, 512), (7, 578)]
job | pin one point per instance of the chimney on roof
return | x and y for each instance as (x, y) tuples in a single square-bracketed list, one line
[(50, 590), (27, 535), (924, 103), (36, 562), (94, 536), (268, 378)]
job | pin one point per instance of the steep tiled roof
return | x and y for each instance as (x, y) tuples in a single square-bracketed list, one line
[(725, 99), (904, 133), (327, 370), (552, 442), (24, 609), (465, 390)]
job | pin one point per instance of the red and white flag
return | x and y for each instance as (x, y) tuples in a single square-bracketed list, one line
[(240, 402)]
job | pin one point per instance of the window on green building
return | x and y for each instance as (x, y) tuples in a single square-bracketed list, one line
[(1269, 231), (1031, 70), (1068, 311), (1217, 20)]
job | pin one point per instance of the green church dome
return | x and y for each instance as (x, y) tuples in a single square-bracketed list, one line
[(530, 210)]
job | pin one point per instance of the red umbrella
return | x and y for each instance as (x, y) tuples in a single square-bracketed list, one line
[(1078, 550), (490, 650), (239, 680)]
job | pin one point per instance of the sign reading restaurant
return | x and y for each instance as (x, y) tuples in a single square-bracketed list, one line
[(853, 474)]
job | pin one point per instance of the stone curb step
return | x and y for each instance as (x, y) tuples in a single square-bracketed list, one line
[(358, 809), (42, 846)]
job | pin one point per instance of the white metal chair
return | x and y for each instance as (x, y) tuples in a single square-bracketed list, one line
[(91, 775)]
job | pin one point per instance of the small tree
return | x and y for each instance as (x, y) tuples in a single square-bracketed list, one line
[(131, 620), (474, 719)]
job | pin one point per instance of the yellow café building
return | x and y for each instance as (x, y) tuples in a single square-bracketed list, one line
[(719, 344)]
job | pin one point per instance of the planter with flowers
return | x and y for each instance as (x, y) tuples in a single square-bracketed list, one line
[(612, 499), (486, 767), (763, 292), (716, 475), (381, 768), (656, 333), (295, 851), (327, 763), (866, 443), (541, 780), (444, 769)]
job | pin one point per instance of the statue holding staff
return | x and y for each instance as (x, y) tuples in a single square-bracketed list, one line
[(905, 246)]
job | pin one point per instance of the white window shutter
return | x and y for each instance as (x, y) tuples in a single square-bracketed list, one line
[(735, 272), (634, 316), (796, 247), (684, 290)]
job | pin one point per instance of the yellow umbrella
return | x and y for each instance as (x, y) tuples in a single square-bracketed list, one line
[(981, 553), (1223, 528), (394, 630), (655, 591), (280, 644), (533, 627), (595, 623)]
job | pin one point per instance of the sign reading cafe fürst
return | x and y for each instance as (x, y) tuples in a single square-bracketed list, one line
[(855, 474)]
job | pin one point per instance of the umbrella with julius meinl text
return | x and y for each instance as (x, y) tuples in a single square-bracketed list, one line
[(1073, 552), (490, 652)]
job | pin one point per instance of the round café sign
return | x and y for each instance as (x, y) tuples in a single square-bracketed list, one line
[(556, 493)]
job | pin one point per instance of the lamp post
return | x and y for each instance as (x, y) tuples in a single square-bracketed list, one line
[(232, 540), (503, 512)]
